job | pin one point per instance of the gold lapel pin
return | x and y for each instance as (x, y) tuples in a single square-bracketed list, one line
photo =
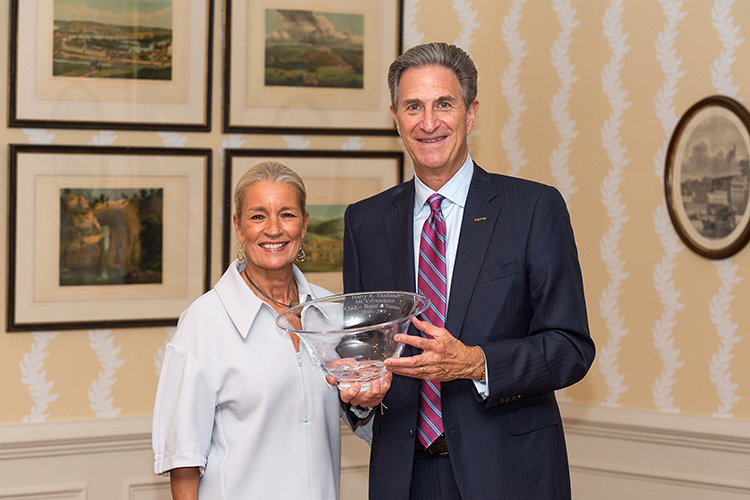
[(480, 219)]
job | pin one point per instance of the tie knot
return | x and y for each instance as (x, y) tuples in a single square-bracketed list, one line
[(435, 201)]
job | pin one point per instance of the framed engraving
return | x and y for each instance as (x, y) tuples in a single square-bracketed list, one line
[(707, 177)]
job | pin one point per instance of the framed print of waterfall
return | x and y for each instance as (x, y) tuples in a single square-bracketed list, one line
[(93, 64), (707, 177), (333, 180), (106, 237), (309, 66)]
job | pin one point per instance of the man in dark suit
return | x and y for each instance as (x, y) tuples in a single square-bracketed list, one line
[(514, 326)]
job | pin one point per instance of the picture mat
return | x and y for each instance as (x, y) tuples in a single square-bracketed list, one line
[(328, 181), (679, 203), (42, 97), (303, 107), (39, 296)]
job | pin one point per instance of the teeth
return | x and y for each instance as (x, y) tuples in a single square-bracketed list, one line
[(430, 141), (273, 245)]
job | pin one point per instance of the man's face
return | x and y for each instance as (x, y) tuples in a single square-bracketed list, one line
[(433, 121)]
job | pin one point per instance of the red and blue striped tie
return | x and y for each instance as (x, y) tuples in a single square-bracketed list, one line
[(432, 283)]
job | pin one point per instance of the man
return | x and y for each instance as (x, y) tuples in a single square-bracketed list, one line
[(470, 412)]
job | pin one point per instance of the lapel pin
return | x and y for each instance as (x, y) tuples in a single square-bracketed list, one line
[(480, 219)]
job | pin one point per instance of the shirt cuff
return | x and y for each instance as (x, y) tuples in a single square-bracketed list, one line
[(483, 387)]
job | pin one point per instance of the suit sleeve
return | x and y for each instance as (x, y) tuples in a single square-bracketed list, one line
[(556, 349)]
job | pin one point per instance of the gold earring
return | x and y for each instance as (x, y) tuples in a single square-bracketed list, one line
[(301, 256), (241, 255)]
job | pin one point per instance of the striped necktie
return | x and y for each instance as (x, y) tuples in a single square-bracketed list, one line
[(432, 283)]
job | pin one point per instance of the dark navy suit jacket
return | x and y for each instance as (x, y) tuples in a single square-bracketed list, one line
[(516, 292)]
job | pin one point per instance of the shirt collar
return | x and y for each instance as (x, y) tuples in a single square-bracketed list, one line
[(455, 190), (242, 305)]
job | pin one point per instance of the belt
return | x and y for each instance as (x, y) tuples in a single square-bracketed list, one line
[(438, 447)]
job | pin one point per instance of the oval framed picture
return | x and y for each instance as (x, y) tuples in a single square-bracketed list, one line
[(707, 177)]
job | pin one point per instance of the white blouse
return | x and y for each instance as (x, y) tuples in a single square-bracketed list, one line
[(237, 401)]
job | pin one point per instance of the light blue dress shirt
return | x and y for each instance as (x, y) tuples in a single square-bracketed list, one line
[(455, 192)]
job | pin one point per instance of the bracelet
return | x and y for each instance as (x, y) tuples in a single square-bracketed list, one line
[(360, 412)]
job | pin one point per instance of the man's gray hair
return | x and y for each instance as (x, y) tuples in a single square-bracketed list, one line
[(436, 54), (269, 171)]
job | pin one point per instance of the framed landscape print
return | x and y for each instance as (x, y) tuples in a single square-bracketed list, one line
[(105, 64), (106, 237), (333, 180), (316, 67), (707, 177)]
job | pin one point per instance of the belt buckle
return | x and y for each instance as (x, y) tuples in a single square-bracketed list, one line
[(438, 447)]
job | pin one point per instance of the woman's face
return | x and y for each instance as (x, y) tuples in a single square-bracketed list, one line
[(271, 225)]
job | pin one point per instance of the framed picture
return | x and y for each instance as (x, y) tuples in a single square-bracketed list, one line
[(333, 180), (309, 66), (106, 237), (707, 177), (136, 65)]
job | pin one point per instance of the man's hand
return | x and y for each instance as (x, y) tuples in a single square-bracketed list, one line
[(444, 358), (366, 399)]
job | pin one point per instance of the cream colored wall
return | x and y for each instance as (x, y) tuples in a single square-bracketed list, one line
[(560, 55)]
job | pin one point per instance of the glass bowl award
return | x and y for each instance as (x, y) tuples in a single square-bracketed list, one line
[(349, 336)]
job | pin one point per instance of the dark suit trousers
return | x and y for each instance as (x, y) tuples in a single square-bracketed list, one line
[(432, 478)]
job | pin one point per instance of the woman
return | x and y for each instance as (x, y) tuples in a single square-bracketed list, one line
[(241, 411)]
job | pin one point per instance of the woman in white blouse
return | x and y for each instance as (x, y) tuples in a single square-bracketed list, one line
[(241, 412)]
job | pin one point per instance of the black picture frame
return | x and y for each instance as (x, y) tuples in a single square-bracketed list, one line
[(333, 179), (150, 260), (251, 106), (40, 99)]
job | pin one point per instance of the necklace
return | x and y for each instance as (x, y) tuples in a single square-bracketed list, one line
[(291, 304)]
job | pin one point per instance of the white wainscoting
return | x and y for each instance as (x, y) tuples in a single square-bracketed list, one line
[(110, 459), (623, 454), (615, 454)]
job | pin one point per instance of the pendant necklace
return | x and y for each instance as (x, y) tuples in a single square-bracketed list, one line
[(289, 305)]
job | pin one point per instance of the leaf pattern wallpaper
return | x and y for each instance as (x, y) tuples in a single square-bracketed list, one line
[(577, 94)]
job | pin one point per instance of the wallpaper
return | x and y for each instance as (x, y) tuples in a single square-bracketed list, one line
[(577, 94)]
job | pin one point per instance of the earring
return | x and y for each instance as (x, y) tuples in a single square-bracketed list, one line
[(301, 256), (241, 256)]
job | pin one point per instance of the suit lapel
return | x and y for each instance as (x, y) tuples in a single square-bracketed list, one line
[(480, 214), (399, 223)]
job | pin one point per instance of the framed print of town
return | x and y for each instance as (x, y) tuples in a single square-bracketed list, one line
[(139, 65), (707, 177)]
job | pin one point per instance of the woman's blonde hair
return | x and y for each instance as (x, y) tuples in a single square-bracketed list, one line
[(269, 171)]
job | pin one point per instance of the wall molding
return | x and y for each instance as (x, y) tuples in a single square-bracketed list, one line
[(643, 450), (79, 455), (634, 453), (693, 431), (62, 438), (56, 492)]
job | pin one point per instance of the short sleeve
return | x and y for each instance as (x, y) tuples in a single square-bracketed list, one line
[(183, 413)]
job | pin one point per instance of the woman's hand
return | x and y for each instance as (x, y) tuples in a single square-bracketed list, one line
[(365, 399)]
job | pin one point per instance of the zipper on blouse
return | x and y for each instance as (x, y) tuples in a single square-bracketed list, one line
[(305, 413)]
